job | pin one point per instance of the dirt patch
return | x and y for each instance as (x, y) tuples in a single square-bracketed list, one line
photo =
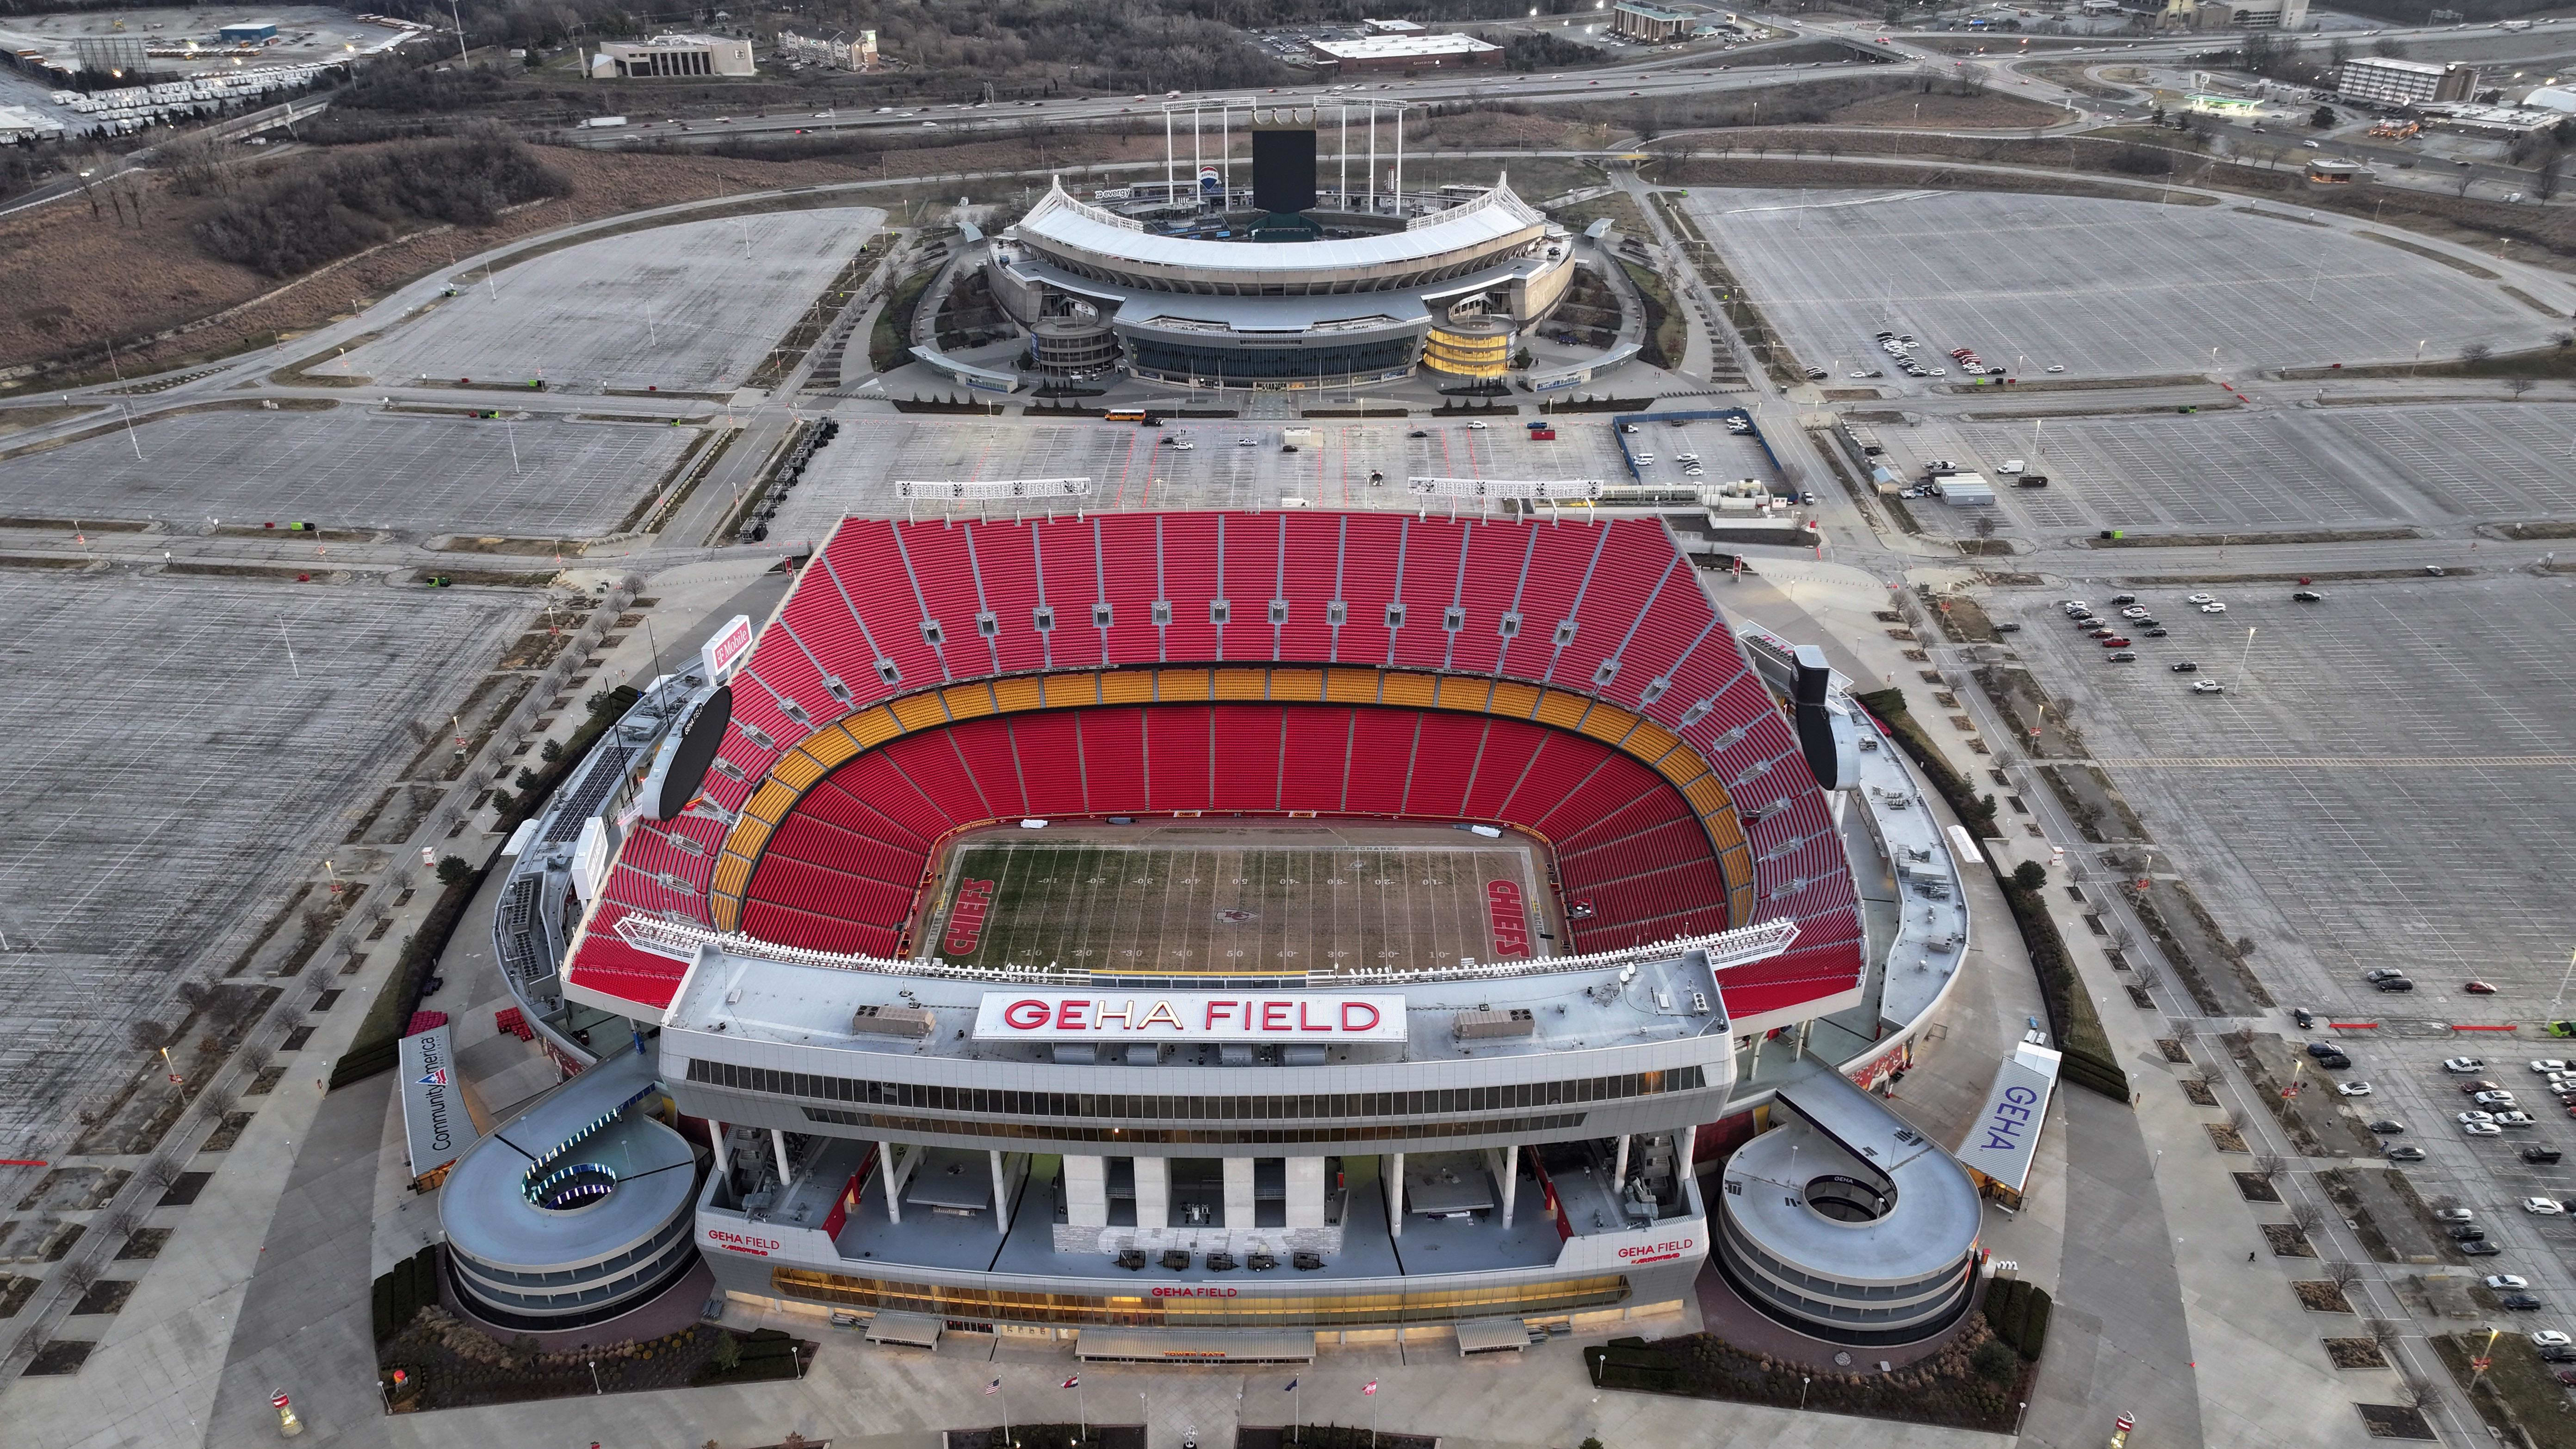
[(2355, 1353), (19, 420), (1989, 110), (2089, 796), (2394, 1421), (2519, 1394), (2321, 1295), (2288, 1241), (15, 1290), (2212, 966), (223, 1137), (144, 1244), (2456, 264), (2225, 1138), (63, 1355), (107, 1295), (2536, 530), (184, 1191), (2199, 1091), (2255, 1187), (2174, 1050)]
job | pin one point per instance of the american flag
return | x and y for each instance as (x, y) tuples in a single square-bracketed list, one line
[(994, 1387), (1372, 1387), (1072, 1383)]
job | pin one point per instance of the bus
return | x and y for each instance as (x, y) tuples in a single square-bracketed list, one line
[(1123, 415)]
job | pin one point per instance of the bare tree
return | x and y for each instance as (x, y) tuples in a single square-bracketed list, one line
[(2343, 1274), (150, 1036), (2519, 385), (214, 1104), (2307, 1216), (2476, 352), (2384, 1332), (2269, 1164), (118, 1225), (161, 1173), (2418, 1392), (79, 1276)]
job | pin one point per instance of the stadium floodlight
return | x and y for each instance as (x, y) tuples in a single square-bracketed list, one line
[(1542, 488), (983, 490)]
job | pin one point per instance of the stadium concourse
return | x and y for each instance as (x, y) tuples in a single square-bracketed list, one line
[(1570, 680)]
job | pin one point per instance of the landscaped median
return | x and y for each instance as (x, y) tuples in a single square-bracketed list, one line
[(1977, 1380), (2071, 1019), (2518, 1395)]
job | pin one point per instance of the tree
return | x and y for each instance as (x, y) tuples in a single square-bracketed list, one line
[(2323, 117), (2518, 385), (728, 1352), (2030, 875), (2343, 1274), (2475, 353), (150, 1036), (2338, 50), (452, 869)]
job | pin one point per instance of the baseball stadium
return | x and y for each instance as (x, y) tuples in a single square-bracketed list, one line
[(1201, 935)]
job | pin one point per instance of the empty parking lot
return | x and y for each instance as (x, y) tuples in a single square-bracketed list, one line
[(688, 307), (2385, 782), (351, 467), (2100, 288), (173, 770)]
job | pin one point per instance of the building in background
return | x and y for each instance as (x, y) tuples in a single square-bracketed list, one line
[(1652, 24), (1394, 27), (2380, 80), (672, 55), (1403, 52), (841, 51), (247, 32)]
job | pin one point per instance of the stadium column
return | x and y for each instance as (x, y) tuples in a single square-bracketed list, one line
[(1086, 1191), (1619, 1175), (1238, 1192), (1394, 1173), (1305, 1184), (778, 1143), (1153, 1193), (1505, 1164), (1001, 1199)]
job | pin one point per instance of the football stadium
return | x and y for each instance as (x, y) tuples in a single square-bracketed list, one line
[(1195, 934)]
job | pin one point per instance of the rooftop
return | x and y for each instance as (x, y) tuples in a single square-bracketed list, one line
[(1495, 219), (1397, 47)]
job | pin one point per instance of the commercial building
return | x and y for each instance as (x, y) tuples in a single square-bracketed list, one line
[(247, 32), (2380, 80), (1406, 53), (1651, 24), (1393, 27), (672, 55), (841, 51)]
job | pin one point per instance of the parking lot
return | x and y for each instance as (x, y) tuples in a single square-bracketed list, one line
[(2384, 784), (2099, 288), (352, 467), (156, 815), (2425, 829), (2272, 470), (1130, 469), (688, 308)]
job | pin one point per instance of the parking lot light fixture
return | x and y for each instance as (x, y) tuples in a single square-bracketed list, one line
[(2561, 998)]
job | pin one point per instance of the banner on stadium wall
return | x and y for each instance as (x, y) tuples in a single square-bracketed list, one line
[(1299, 1016)]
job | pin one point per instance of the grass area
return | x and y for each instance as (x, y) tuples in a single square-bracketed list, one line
[(1666, 335), (890, 340), (2518, 1395), (1218, 908), (1619, 206)]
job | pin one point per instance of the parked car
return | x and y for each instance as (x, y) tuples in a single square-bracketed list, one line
[(2475, 1119), (2336, 1063), (2209, 686), (2405, 1154), (2397, 983), (2188, 667), (2387, 1127), (2482, 1249), (2483, 1129), (2549, 1064), (2213, 608), (2453, 1215), (2322, 1049), (2480, 1085), (2308, 596), (2524, 1303), (2124, 656), (2492, 1099), (2507, 1282), (2463, 1066), (2466, 1233), (2550, 1338), (2477, 988), (2200, 598), (2544, 1207), (2353, 1089)]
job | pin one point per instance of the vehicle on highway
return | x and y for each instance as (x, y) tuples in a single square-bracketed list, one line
[(2405, 1154), (2544, 1207), (2055, 367), (2200, 598), (2353, 1089), (2464, 1066), (2185, 666), (2209, 686)]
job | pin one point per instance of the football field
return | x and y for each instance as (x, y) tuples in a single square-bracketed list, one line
[(1236, 908)]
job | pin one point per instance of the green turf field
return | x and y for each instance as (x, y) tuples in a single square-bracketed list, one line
[(1222, 909)]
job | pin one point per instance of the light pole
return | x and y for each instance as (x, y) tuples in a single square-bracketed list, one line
[(2560, 999), (2244, 659)]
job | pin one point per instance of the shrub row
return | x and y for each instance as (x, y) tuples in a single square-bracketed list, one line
[(356, 202), (2018, 1313), (401, 1293), (379, 1041)]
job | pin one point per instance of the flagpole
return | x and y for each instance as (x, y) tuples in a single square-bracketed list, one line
[(1082, 1410), (1006, 1417)]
